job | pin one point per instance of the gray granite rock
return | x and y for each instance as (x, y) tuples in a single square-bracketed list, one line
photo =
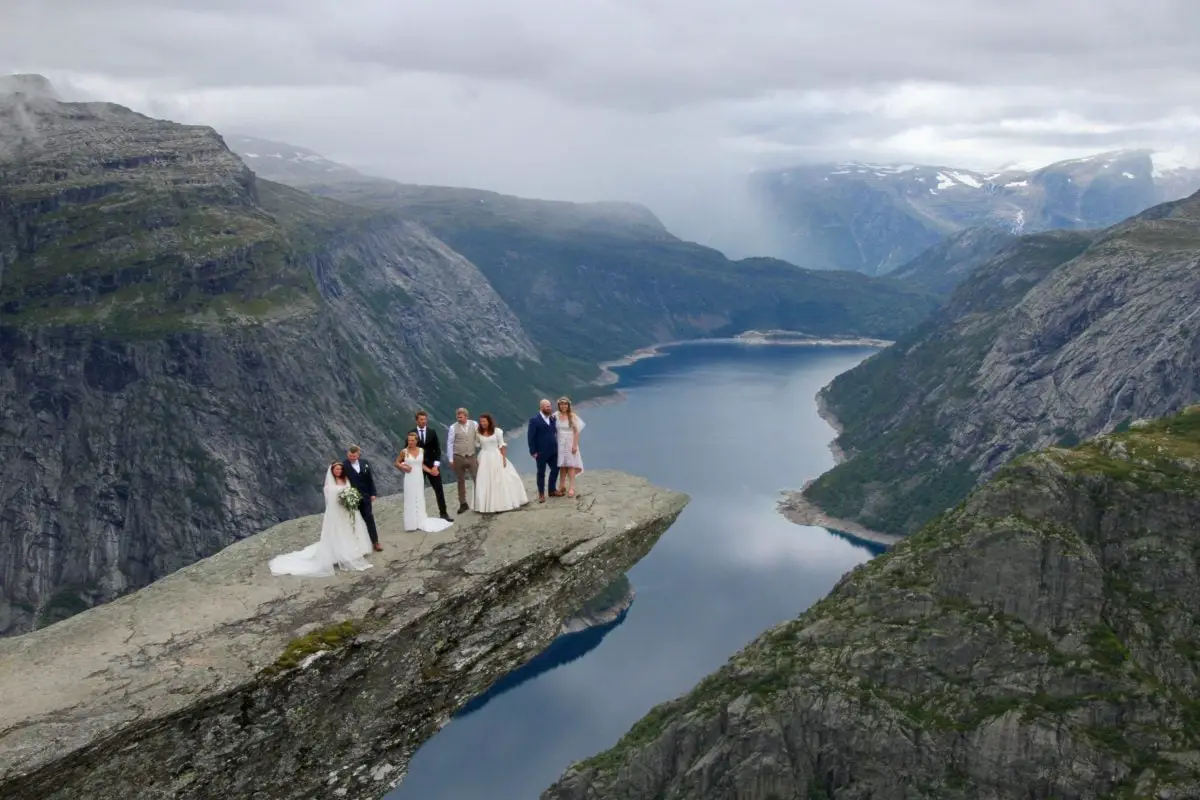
[(224, 681)]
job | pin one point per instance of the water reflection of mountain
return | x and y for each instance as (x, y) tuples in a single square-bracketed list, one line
[(874, 548), (563, 650)]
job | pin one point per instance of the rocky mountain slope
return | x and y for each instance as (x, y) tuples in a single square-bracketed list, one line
[(1040, 641), (874, 218), (1059, 337), (598, 280), (949, 262), (184, 347)]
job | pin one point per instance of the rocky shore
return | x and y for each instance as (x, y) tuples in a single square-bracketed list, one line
[(224, 681), (802, 511)]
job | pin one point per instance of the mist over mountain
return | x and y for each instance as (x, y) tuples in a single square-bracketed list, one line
[(875, 217)]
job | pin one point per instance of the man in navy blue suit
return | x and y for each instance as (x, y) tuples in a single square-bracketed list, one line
[(543, 446)]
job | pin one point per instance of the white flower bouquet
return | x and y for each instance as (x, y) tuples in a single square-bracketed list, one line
[(350, 498)]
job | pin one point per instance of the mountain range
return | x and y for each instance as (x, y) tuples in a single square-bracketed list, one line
[(185, 344), (1060, 336), (876, 217)]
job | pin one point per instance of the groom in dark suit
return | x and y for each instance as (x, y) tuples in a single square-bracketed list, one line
[(542, 438), (427, 438), (359, 473)]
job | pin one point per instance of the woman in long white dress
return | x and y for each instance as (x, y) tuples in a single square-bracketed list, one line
[(567, 428), (498, 486), (344, 540), (411, 462)]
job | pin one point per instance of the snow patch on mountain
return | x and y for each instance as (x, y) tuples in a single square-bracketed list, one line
[(1169, 161), (968, 179)]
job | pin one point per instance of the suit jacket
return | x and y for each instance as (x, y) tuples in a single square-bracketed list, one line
[(542, 438), (364, 481), (432, 446)]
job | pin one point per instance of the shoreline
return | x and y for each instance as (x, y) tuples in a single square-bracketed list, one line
[(797, 508), (773, 338), (839, 455)]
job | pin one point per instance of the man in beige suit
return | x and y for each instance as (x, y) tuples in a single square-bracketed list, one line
[(462, 443)]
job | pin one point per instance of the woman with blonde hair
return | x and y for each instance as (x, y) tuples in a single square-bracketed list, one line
[(570, 462)]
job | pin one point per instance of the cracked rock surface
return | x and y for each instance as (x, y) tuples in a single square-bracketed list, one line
[(222, 680)]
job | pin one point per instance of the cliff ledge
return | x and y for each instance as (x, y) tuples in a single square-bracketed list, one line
[(221, 680)]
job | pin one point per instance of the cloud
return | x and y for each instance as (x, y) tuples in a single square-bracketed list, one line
[(663, 101)]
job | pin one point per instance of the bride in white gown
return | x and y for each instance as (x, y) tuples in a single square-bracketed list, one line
[(411, 462), (344, 540), (498, 486)]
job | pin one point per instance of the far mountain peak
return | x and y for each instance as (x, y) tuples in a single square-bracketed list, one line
[(28, 84)]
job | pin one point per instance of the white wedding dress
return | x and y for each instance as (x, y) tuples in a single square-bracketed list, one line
[(498, 486), (344, 541), (415, 518)]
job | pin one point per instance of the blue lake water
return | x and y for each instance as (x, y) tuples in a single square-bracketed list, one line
[(731, 425)]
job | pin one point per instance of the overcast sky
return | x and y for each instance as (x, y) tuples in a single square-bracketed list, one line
[(635, 99)]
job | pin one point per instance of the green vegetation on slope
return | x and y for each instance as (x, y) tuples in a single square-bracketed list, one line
[(597, 281), (142, 232), (893, 406)]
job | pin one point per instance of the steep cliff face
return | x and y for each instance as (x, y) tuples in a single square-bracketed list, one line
[(183, 347), (1040, 641), (222, 681), (599, 280), (1060, 337)]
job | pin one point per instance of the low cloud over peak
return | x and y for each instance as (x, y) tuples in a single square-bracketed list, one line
[(659, 101)]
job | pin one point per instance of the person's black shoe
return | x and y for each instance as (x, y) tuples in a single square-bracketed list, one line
[(447, 518), (463, 508)]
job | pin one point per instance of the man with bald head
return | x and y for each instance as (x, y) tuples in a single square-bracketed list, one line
[(542, 437)]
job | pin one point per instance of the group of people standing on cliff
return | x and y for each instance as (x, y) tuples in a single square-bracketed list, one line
[(476, 450)]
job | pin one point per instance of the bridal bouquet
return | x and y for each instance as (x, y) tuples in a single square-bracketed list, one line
[(350, 498)]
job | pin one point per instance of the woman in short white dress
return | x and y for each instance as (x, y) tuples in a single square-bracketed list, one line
[(570, 462)]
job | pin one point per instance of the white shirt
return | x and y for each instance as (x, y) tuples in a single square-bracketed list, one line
[(354, 464), (450, 438)]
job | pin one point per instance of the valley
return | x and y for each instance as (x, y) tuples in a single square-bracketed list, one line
[(184, 343), (193, 323)]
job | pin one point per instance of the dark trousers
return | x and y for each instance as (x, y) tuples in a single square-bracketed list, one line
[(542, 463), (436, 482), (368, 515)]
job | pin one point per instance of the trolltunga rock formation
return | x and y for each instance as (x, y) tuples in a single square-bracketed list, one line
[(224, 681)]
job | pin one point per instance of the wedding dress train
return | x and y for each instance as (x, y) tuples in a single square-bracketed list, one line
[(415, 518), (343, 543), (498, 486)]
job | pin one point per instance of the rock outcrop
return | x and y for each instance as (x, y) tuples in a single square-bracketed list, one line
[(223, 681), (1061, 336), (1040, 641)]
